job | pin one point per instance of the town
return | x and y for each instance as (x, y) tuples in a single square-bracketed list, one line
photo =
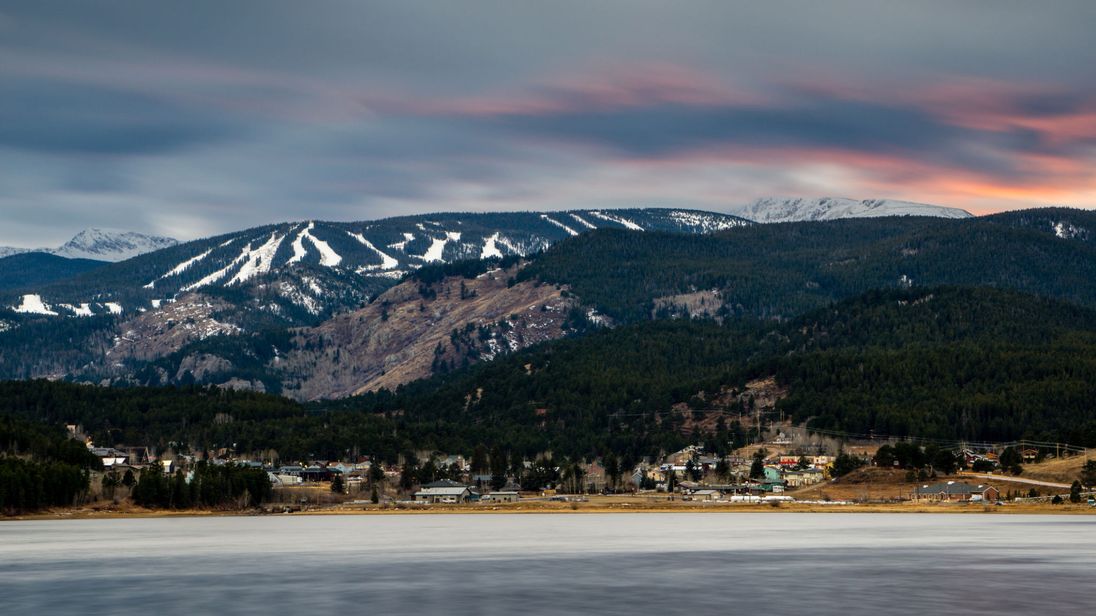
[(793, 467)]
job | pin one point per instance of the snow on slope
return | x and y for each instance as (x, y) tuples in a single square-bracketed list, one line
[(258, 261), (617, 219), (705, 222), (778, 209), (111, 245), (328, 257), (402, 245), (221, 273), (180, 268), (559, 224), (437, 247), (583, 222), (387, 262), (489, 248), (33, 304)]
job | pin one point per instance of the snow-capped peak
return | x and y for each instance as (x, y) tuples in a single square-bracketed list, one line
[(111, 245), (781, 209)]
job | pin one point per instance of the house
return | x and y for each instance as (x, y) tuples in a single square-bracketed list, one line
[(317, 473), (706, 495), (110, 457), (446, 495), (502, 496), (957, 491), (805, 477), (773, 474), (594, 475)]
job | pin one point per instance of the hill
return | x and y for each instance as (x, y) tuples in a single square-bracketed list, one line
[(34, 269), (780, 271)]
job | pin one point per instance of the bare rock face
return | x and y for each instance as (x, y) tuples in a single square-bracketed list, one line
[(202, 365), (415, 330), (157, 333)]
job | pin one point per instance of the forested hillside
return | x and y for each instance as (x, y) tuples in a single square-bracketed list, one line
[(945, 362), (783, 270), (38, 268)]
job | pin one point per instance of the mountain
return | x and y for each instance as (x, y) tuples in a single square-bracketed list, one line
[(184, 308), (443, 317), (352, 330), (39, 268), (111, 245), (302, 273), (101, 245), (778, 209)]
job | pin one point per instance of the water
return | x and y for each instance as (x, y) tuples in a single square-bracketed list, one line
[(527, 564)]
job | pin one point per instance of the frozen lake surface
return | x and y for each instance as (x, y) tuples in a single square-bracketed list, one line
[(533, 564)]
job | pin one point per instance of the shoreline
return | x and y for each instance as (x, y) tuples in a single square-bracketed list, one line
[(587, 508)]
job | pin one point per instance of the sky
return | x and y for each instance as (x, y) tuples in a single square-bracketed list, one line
[(193, 118)]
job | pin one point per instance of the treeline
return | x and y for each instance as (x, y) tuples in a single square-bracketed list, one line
[(40, 467), (29, 485), (52, 345), (208, 486), (946, 363)]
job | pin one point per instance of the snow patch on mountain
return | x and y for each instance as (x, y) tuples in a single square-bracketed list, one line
[(437, 247), (328, 257), (221, 273), (83, 310), (707, 222), (490, 249), (779, 209), (559, 224), (258, 261), (33, 304), (1068, 231), (407, 237), (299, 251), (180, 268), (582, 221), (387, 262), (617, 219)]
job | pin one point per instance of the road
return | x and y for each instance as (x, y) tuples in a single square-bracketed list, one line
[(1034, 482)]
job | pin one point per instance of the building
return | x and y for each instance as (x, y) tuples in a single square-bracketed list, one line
[(706, 495), (447, 495), (957, 491), (805, 477), (502, 496), (110, 457)]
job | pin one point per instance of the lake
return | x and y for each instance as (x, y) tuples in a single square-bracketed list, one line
[(533, 564)]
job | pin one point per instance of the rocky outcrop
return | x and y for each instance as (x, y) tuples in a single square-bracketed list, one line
[(415, 330)]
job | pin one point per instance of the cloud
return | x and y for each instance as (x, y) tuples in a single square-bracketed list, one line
[(204, 117), (65, 118)]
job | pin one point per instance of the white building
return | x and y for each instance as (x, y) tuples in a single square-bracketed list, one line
[(458, 494)]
